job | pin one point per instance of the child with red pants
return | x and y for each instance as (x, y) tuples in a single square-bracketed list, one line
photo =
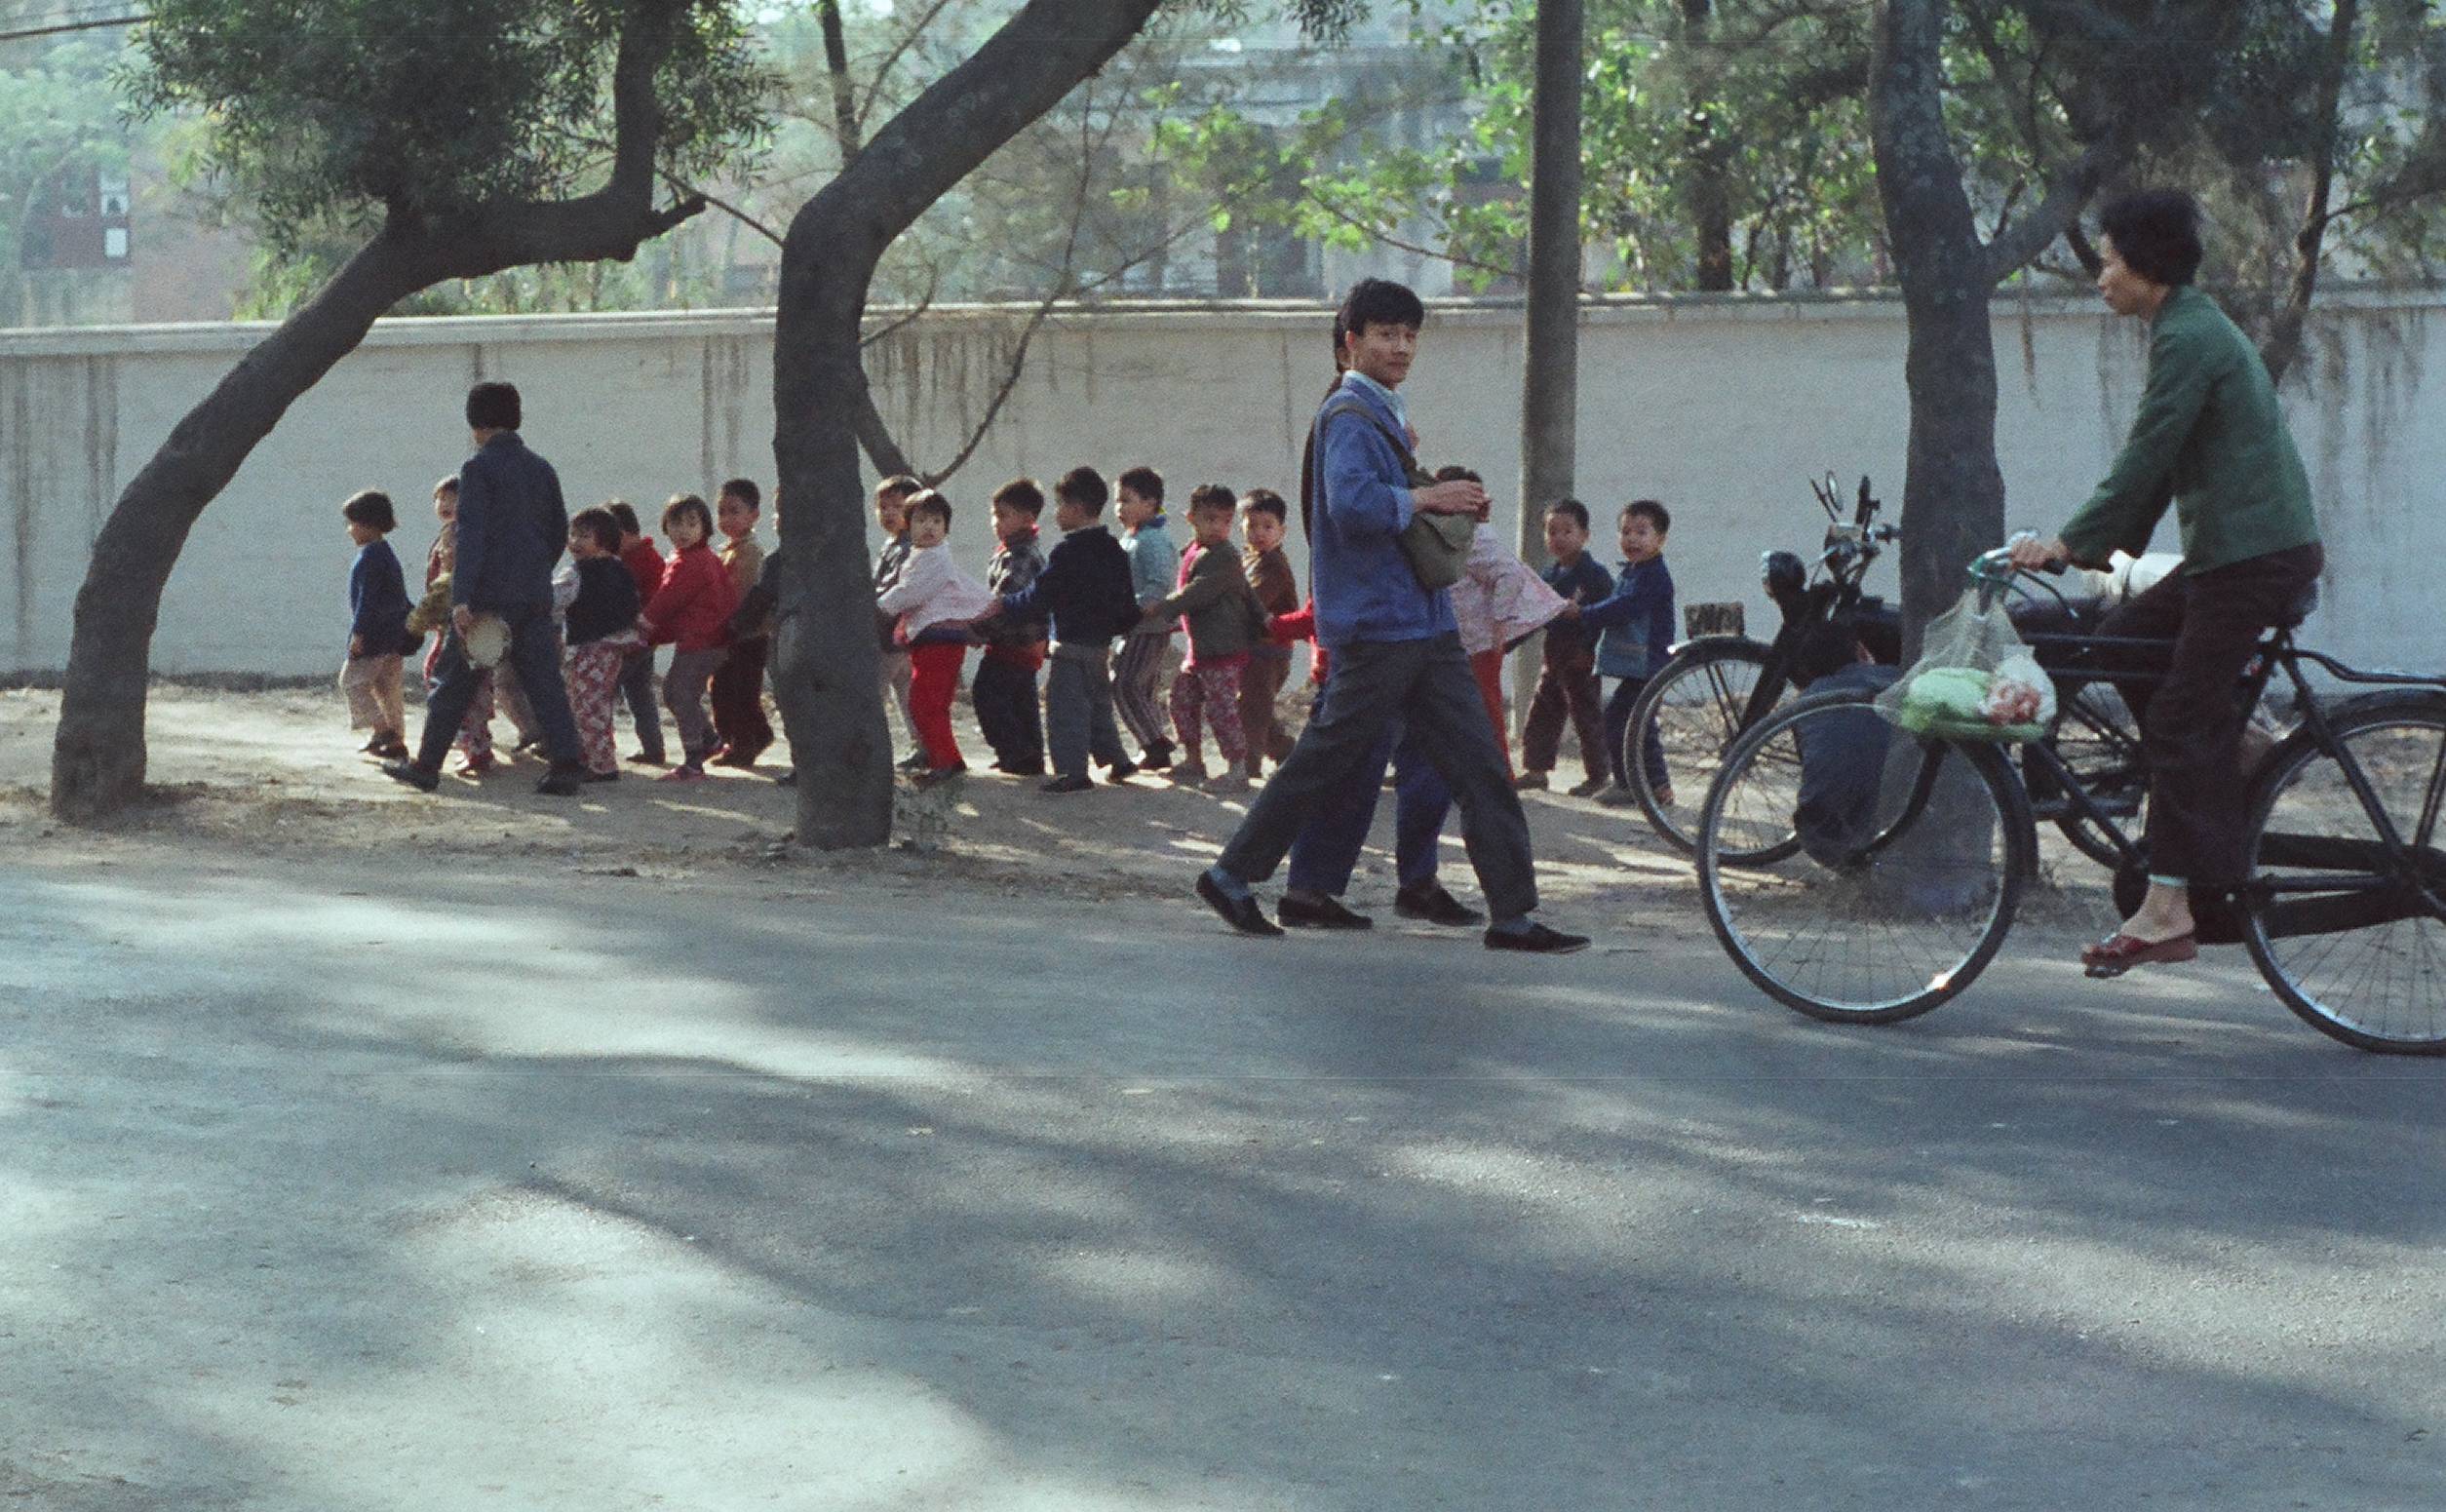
[(933, 603)]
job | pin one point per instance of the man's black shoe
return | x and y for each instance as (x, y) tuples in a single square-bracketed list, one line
[(1073, 784), (563, 781), (1120, 771), (788, 779), (1536, 940), (1429, 900), (424, 779), (1297, 912), (1156, 757), (1241, 913), (611, 776)]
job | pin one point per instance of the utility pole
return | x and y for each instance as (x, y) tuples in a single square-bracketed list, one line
[(1549, 407)]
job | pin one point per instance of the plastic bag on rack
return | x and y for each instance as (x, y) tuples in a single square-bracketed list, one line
[(1974, 680)]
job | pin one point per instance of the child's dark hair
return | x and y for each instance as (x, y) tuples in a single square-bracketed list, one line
[(1145, 482), (1652, 511), (370, 508), (745, 490), (1212, 496), (925, 501), (1453, 471), (1379, 301), (683, 506), (493, 407), (900, 485), (1085, 488), (600, 524), (2156, 234), (1022, 494), (1266, 501), (1572, 510), (623, 515)]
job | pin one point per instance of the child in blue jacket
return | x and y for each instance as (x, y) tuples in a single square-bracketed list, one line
[(1636, 622)]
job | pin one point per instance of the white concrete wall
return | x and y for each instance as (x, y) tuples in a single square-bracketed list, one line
[(1721, 408)]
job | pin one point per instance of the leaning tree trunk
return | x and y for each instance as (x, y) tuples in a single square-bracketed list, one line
[(825, 661), (98, 752)]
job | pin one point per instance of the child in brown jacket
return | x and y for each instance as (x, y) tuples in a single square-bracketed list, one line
[(1215, 601)]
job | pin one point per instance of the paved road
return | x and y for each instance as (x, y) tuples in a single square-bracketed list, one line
[(323, 1188)]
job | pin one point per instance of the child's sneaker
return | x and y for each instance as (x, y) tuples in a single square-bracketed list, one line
[(1188, 771), (937, 776), (1618, 796), (475, 765), (1077, 784), (1227, 781), (1588, 789), (683, 772), (1530, 782)]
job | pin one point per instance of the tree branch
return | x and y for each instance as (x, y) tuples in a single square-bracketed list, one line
[(2066, 193)]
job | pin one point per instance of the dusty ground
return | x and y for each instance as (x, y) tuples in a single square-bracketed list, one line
[(276, 771)]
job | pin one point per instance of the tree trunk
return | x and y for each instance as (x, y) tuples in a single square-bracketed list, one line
[(825, 660), (1550, 401), (1707, 154), (98, 753), (1953, 491)]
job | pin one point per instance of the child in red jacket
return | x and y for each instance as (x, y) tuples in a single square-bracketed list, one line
[(689, 610)]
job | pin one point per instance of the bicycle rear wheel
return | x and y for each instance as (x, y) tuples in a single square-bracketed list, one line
[(2351, 940), (1906, 861), (1694, 707)]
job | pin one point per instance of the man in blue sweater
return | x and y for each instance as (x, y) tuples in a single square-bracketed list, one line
[(512, 527), (1395, 648)]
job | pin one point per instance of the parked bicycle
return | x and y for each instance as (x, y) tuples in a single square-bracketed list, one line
[(1912, 855)]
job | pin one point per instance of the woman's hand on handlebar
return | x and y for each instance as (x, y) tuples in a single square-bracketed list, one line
[(2030, 552)]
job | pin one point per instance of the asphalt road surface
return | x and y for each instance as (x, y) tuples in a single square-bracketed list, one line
[(351, 1188)]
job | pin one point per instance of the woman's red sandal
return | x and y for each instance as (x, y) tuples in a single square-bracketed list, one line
[(2120, 952)]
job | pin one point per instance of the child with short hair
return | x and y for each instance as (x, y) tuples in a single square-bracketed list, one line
[(1087, 593), (932, 605), (599, 630), (1636, 621), (689, 610), (1263, 520), (377, 627), (1154, 571), (891, 516), (739, 720), (1004, 691), (1221, 610), (1567, 681), (637, 666)]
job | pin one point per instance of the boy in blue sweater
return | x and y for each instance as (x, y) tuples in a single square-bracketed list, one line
[(1086, 590), (377, 627), (1567, 681), (1636, 635)]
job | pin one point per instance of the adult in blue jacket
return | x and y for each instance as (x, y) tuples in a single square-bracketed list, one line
[(512, 525), (1395, 648)]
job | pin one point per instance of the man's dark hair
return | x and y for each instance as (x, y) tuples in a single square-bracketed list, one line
[(624, 516), (1378, 301), (1145, 482), (1022, 494), (1085, 488), (1266, 501), (1652, 511), (370, 508), (493, 406), (745, 490), (1212, 496), (1572, 510), (925, 501), (2156, 234), (1453, 471), (600, 524), (683, 506), (900, 485)]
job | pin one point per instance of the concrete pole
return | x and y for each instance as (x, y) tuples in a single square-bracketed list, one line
[(1549, 409)]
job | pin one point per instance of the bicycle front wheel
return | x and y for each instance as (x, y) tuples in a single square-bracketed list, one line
[(1691, 711), (1907, 859), (2350, 937)]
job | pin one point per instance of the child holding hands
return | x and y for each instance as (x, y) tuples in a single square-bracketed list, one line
[(932, 604)]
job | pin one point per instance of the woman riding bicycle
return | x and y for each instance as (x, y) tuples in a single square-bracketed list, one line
[(2210, 439)]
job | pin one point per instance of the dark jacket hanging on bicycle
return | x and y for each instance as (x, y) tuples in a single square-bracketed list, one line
[(2211, 439)]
